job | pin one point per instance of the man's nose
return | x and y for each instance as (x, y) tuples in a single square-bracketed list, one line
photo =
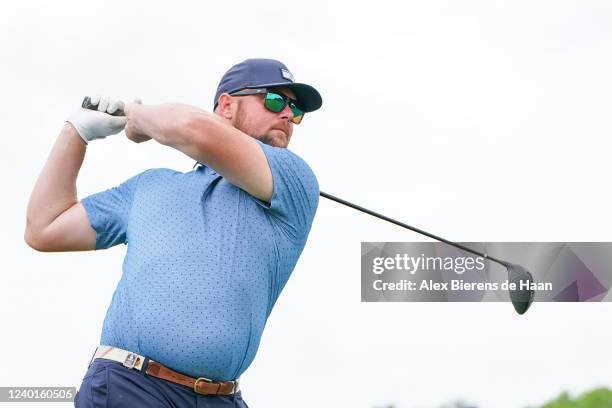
[(287, 113)]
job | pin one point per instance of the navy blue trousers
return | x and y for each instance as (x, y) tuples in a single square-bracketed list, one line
[(108, 384)]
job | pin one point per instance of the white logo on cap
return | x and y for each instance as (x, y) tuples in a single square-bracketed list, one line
[(287, 75)]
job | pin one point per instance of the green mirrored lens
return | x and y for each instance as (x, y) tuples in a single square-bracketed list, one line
[(274, 102), (295, 110)]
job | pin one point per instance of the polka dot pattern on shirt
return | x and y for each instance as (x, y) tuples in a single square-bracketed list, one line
[(205, 261)]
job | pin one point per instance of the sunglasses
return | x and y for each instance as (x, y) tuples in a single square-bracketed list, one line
[(275, 102)]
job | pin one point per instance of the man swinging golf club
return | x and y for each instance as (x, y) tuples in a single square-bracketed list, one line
[(209, 251)]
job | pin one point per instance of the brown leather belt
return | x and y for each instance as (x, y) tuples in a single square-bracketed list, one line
[(135, 361)]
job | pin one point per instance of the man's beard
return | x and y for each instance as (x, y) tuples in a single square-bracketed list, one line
[(267, 139), (239, 124)]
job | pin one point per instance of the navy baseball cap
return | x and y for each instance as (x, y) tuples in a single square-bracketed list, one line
[(267, 73)]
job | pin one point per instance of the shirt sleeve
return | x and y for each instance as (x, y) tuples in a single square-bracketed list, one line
[(296, 192), (108, 212)]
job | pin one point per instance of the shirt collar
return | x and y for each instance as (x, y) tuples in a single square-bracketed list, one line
[(199, 166)]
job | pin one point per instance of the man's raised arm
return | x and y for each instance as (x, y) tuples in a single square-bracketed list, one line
[(56, 220), (207, 138)]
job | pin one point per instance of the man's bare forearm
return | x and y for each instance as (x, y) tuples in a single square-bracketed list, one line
[(207, 138), (201, 135), (55, 189), (167, 123)]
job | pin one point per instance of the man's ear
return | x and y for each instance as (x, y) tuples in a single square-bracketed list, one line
[(226, 106)]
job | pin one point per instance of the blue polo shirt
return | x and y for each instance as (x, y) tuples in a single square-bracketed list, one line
[(205, 261)]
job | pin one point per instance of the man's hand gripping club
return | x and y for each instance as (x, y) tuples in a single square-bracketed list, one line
[(107, 120)]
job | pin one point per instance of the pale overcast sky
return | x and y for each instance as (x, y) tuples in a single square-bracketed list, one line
[(475, 120)]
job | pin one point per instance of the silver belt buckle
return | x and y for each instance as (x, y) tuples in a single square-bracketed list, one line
[(130, 360)]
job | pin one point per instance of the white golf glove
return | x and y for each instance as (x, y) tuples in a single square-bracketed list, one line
[(91, 124)]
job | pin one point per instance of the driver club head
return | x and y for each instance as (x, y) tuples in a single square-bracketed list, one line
[(521, 297)]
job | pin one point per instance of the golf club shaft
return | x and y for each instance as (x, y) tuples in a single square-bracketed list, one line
[(411, 228)]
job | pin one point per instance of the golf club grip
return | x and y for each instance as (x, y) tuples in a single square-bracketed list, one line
[(88, 105)]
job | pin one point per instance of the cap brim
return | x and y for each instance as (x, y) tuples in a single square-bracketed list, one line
[(307, 97)]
